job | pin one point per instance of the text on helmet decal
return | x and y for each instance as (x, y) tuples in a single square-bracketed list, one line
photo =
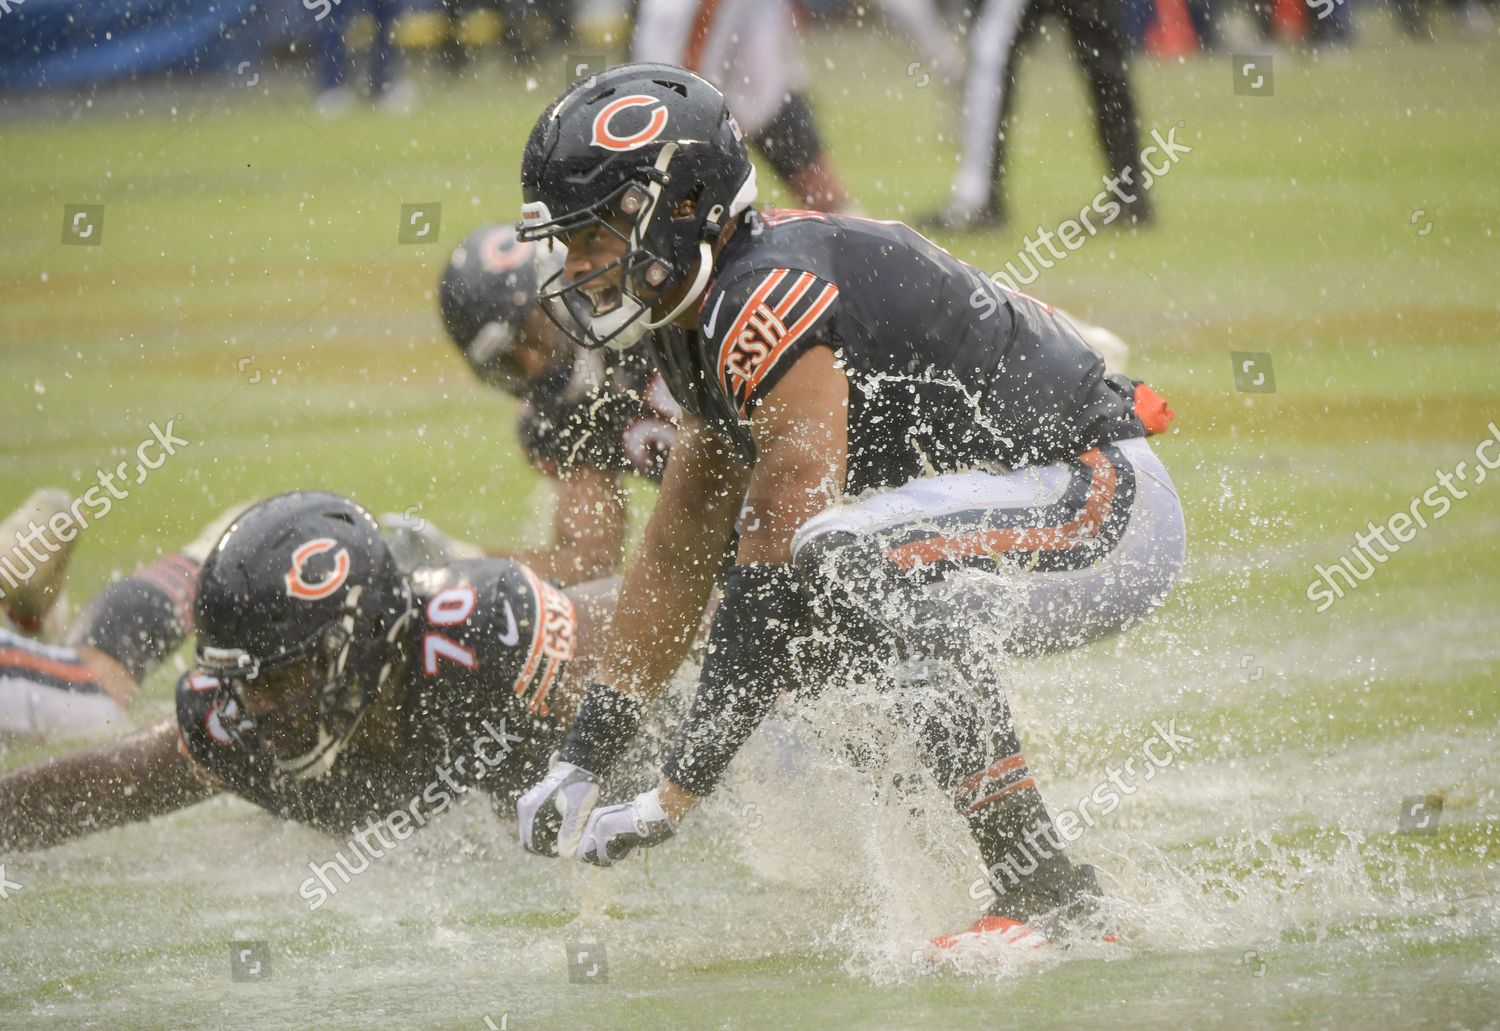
[(606, 137), (299, 587)]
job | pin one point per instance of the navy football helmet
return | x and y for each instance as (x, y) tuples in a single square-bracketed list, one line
[(302, 601), (489, 289), (650, 148)]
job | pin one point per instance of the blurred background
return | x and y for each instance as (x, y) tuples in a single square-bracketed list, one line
[(233, 215)]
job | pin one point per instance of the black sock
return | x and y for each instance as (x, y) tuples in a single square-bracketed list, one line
[(141, 619), (969, 744)]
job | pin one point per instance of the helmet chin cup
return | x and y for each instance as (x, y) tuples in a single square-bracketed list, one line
[(318, 760), (622, 327)]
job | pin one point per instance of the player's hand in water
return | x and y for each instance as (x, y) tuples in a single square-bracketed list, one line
[(554, 810), (617, 830)]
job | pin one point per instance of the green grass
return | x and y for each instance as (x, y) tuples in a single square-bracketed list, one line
[(249, 284)]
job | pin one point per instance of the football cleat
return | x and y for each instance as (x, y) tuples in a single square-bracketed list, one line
[(992, 928), (1065, 910), (33, 579)]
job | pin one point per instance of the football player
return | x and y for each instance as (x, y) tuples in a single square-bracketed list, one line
[(931, 469), (78, 682), (752, 48), (331, 684), (586, 421)]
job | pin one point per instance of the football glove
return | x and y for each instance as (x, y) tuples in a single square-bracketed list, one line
[(553, 811), (617, 830)]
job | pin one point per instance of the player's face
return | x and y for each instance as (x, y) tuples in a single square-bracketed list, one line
[(594, 247), (284, 706), (540, 346)]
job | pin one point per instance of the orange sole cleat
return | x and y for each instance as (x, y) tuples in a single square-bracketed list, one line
[(994, 928)]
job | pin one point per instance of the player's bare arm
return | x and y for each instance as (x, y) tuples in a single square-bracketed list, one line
[(668, 583), (588, 529), (800, 435), (801, 446), (135, 778), (662, 596)]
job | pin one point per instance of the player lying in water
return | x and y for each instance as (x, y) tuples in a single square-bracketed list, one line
[(331, 683), (583, 425)]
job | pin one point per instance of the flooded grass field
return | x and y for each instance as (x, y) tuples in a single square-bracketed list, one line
[(1320, 847)]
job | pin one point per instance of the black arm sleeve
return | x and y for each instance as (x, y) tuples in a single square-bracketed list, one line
[(749, 664)]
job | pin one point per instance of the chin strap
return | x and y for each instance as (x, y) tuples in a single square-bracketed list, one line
[(705, 267), (742, 200)]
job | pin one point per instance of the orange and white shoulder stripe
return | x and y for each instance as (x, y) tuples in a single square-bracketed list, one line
[(552, 641), (763, 330)]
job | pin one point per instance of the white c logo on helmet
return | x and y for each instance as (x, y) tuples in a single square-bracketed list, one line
[(606, 138), (298, 587)]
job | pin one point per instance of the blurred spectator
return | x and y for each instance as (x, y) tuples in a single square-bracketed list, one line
[(336, 93), (751, 50), (1000, 32)]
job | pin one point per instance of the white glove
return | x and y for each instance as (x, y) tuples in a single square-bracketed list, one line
[(617, 830), (552, 813)]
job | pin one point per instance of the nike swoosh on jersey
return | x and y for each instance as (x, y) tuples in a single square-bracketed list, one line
[(512, 635), (713, 317)]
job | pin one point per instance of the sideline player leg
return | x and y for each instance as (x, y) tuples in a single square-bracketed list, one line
[(83, 685)]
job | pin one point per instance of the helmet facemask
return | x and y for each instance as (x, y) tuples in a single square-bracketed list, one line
[(339, 685)]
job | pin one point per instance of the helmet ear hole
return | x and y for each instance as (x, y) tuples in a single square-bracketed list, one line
[(688, 206)]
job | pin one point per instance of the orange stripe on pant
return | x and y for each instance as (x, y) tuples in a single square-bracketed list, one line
[(76, 673), (987, 799), (697, 42), (1086, 524), (1002, 767)]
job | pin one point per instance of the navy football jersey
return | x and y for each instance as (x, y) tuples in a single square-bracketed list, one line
[(626, 423), (947, 369), (489, 642)]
